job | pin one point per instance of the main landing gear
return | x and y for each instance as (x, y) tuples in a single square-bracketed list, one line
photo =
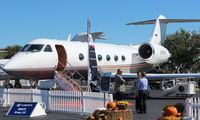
[(8, 85)]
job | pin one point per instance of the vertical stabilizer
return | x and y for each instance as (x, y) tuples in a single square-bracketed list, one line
[(159, 31)]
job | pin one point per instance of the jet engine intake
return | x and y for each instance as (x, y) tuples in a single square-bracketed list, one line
[(153, 53)]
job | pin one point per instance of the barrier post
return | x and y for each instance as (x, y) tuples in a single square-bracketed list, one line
[(198, 108), (104, 99), (188, 107), (82, 104)]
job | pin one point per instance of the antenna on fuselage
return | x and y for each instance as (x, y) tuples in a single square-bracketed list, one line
[(69, 37)]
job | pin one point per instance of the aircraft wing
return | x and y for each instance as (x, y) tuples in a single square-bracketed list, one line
[(151, 76)]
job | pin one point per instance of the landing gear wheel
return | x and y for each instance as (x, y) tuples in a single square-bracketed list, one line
[(9, 86), (17, 85)]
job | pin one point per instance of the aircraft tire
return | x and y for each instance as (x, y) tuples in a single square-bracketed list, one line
[(9, 86), (17, 85)]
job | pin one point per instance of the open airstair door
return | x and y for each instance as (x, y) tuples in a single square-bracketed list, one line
[(62, 57), (60, 76)]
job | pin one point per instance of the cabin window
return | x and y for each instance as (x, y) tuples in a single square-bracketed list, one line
[(108, 57), (100, 57), (24, 48), (81, 56), (48, 48), (116, 58), (123, 58), (34, 48)]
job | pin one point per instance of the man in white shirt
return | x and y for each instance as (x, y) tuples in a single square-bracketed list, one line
[(142, 92)]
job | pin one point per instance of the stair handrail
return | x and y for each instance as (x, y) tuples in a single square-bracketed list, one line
[(72, 73)]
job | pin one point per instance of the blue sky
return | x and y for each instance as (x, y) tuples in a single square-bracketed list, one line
[(25, 20)]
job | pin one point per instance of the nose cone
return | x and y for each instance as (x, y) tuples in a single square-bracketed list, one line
[(30, 65), (12, 65), (16, 63)]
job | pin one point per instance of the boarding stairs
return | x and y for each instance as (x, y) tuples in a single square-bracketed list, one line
[(65, 79)]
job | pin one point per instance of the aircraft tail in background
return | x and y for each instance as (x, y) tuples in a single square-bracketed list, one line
[(159, 30)]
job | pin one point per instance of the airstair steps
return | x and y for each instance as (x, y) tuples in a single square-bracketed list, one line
[(65, 82)]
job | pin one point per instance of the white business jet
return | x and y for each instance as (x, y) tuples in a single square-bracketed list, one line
[(40, 58)]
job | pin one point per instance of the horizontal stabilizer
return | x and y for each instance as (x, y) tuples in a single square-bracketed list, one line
[(83, 36), (163, 21)]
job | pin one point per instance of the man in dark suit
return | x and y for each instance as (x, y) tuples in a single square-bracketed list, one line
[(119, 88)]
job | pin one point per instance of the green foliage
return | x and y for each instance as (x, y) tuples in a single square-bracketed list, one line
[(11, 50), (2, 55), (185, 50)]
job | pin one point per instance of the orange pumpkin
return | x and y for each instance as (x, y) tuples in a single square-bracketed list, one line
[(111, 105), (178, 115), (120, 118), (171, 111), (91, 117)]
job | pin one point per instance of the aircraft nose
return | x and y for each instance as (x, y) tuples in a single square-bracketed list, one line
[(9, 66), (13, 64)]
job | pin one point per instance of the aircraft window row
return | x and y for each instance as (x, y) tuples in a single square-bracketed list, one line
[(48, 48), (81, 56), (99, 57), (32, 48), (123, 58), (108, 58), (116, 58)]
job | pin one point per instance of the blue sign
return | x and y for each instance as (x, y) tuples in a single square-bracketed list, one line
[(22, 109), (105, 82)]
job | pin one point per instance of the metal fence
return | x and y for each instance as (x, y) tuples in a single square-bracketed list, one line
[(193, 108), (57, 100)]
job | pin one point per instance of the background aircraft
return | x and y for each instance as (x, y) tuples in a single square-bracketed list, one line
[(3, 75), (40, 58)]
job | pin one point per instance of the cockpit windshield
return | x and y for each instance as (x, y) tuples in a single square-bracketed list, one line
[(32, 48), (24, 48)]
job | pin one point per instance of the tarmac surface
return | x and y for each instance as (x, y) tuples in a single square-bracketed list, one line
[(154, 110)]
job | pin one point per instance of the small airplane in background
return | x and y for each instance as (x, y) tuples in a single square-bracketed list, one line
[(40, 58), (3, 75)]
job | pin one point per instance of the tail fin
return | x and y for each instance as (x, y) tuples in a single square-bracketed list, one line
[(159, 31), (160, 26)]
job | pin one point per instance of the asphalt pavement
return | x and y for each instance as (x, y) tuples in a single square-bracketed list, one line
[(154, 110)]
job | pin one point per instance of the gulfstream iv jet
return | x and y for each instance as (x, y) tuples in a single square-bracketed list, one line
[(40, 58)]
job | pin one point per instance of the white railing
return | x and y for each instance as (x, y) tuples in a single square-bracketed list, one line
[(71, 101), (57, 100), (193, 108)]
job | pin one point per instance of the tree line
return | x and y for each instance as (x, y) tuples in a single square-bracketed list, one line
[(184, 47)]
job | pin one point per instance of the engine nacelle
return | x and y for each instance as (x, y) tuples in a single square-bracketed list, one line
[(153, 53)]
